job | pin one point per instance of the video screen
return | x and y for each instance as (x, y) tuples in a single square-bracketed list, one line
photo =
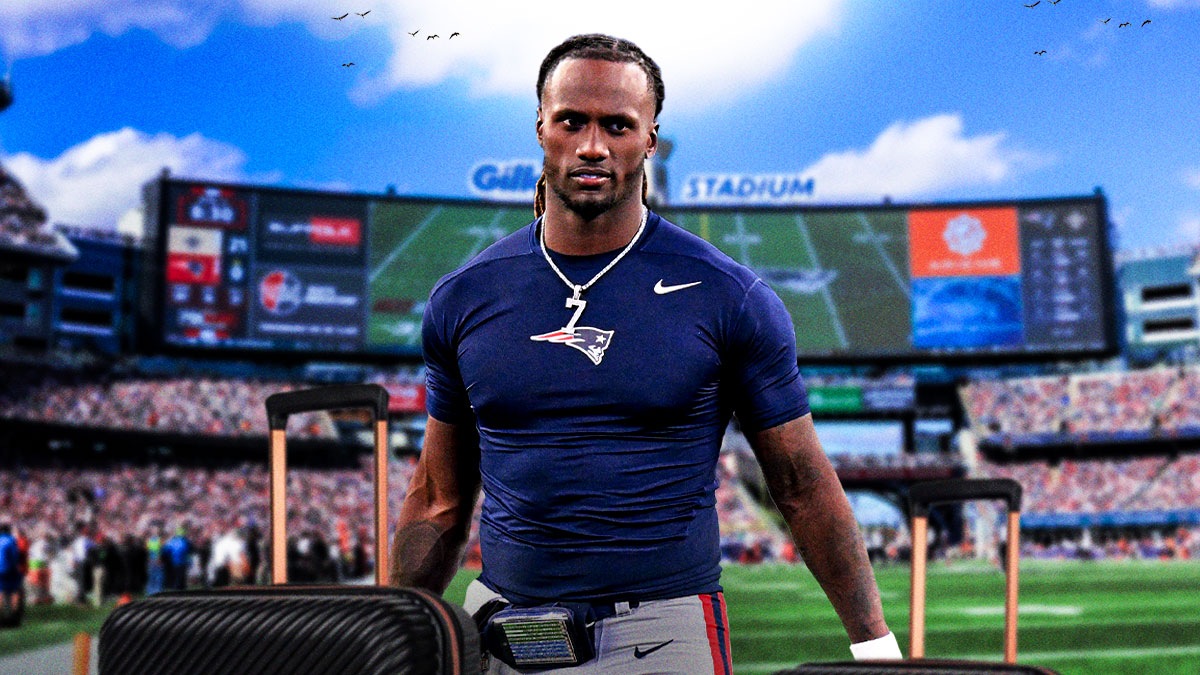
[(934, 281), (251, 268)]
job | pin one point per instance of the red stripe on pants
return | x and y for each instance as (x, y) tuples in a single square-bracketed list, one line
[(718, 633)]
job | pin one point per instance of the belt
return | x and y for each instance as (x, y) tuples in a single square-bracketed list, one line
[(603, 610), (600, 610)]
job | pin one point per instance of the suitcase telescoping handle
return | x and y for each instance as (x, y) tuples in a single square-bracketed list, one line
[(283, 404), (921, 496)]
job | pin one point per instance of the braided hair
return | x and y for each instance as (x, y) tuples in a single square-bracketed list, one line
[(600, 47)]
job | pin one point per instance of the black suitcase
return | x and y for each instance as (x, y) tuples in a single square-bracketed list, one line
[(921, 496), (297, 629)]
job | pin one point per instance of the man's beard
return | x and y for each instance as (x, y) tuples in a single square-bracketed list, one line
[(593, 205)]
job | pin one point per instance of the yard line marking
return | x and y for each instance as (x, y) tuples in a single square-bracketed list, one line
[(482, 235), (773, 585), (812, 252), (742, 238), (804, 588), (404, 244), (887, 260), (1023, 657), (774, 634), (1090, 654), (998, 610)]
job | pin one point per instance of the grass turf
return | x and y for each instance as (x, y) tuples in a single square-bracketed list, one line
[(1078, 618), (46, 625)]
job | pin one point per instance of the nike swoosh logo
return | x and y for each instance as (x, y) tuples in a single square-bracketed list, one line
[(663, 290), (637, 651)]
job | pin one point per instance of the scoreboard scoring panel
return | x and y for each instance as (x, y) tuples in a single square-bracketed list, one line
[(247, 269), (257, 269)]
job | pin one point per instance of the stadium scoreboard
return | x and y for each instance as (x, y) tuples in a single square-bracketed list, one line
[(934, 282), (238, 268)]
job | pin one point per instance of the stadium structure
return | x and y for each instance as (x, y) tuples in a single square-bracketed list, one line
[(997, 338), (1160, 296)]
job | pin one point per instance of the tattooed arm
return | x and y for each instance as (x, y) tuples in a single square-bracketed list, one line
[(806, 489), (435, 519)]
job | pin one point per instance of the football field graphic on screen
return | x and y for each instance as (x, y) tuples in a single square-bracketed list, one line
[(413, 244), (353, 272), (838, 273), (1026, 277)]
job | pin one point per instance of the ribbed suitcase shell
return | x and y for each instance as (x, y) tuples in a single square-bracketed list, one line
[(294, 630)]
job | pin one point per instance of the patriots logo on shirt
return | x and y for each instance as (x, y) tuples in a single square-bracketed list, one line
[(591, 341)]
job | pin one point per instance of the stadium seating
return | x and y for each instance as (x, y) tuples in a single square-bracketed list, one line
[(1126, 508), (219, 407), (1125, 405)]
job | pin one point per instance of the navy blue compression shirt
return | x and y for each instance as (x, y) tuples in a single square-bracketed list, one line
[(599, 444)]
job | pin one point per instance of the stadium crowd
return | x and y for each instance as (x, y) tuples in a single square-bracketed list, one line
[(180, 405), (96, 534), (1140, 498), (1099, 486), (92, 534), (899, 465), (1128, 404), (85, 526)]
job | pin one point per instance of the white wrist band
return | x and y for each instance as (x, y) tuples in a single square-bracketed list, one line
[(885, 647)]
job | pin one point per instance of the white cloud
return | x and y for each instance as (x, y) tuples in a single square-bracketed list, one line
[(35, 27), (1192, 178), (1188, 229), (707, 56), (919, 159), (98, 182), (1174, 4)]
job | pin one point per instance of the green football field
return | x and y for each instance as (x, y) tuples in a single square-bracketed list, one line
[(1139, 618), (842, 275)]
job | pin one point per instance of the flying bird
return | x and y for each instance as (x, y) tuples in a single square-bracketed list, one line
[(1122, 25), (339, 18), (347, 65), (431, 37), (414, 33), (363, 13), (1107, 20), (1145, 22), (1041, 52), (1034, 4), (453, 34), (1055, 2)]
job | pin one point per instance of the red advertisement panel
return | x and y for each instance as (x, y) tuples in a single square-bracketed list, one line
[(970, 242), (406, 398), (335, 231)]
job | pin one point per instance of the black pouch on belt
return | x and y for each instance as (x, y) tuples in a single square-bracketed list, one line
[(537, 638)]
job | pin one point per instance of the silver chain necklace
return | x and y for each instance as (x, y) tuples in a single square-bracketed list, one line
[(575, 302)]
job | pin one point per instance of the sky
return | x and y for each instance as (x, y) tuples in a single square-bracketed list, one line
[(916, 101)]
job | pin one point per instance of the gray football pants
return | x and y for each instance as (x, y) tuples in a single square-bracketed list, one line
[(680, 636)]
